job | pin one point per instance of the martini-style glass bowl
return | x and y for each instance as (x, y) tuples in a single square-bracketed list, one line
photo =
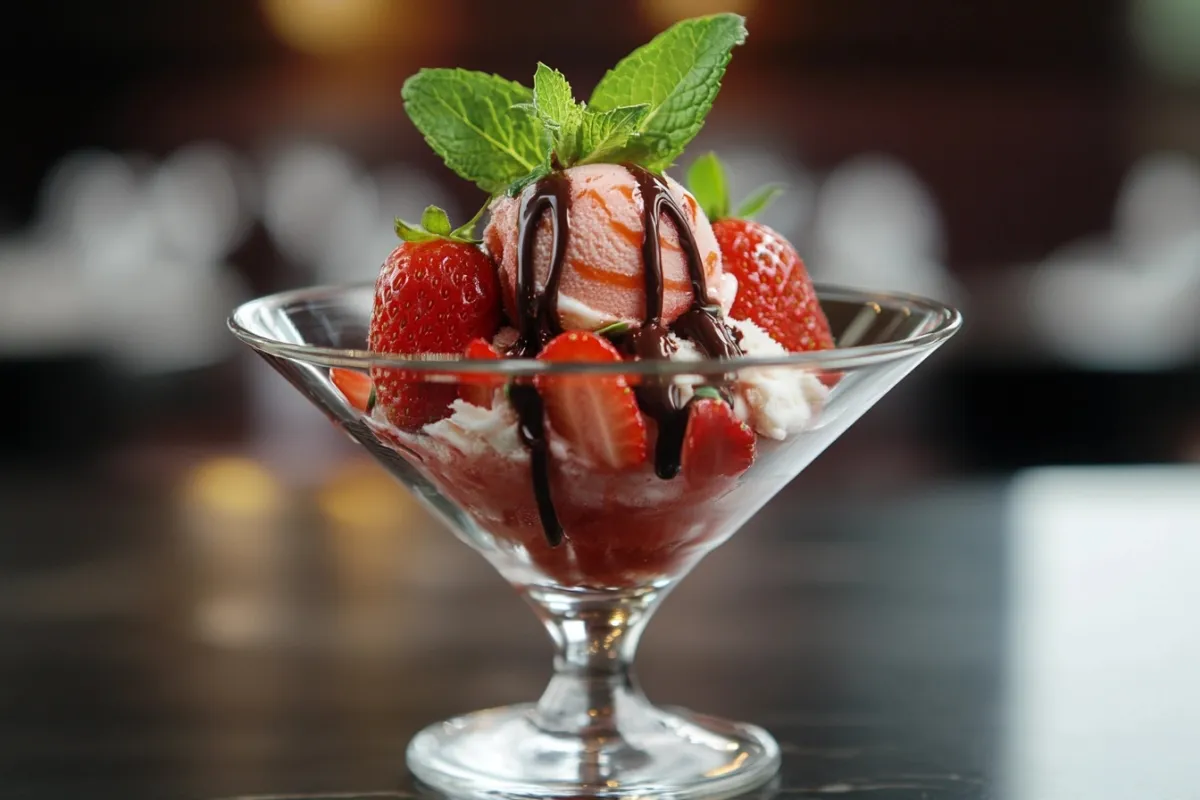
[(626, 538)]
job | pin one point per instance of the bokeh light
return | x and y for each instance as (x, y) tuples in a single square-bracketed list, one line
[(335, 27)]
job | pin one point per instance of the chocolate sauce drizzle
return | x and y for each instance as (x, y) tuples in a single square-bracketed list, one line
[(537, 322)]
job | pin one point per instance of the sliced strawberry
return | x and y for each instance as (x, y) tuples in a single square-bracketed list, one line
[(479, 389), (597, 414), (716, 444), (356, 387)]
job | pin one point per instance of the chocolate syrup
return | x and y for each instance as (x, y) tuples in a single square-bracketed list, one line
[(701, 323), (537, 321)]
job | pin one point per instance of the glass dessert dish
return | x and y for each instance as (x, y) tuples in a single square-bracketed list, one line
[(593, 543)]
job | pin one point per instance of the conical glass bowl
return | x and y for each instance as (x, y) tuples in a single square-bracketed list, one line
[(618, 540)]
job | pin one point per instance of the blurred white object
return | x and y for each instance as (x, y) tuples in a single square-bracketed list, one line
[(362, 225), (126, 259), (877, 226), (1128, 302), (1104, 652), (200, 201), (1159, 203), (304, 184)]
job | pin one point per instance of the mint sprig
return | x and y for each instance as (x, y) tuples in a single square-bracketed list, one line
[(501, 135), (677, 74), (706, 181)]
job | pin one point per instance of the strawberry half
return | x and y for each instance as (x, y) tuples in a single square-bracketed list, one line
[(597, 414), (356, 387), (476, 388), (435, 293), (716, 444)]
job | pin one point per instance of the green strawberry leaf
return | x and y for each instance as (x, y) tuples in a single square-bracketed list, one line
[(677, 74), (435, 226), (467, 118), (706, 393), (706, 182), (758, 201), (436, 221), (605, 135)]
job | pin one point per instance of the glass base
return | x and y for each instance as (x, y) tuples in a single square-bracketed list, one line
[(503, 752)]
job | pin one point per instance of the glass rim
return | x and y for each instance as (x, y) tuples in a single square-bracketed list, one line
[(945, 322)]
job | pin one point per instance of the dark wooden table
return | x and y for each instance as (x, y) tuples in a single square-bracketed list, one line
[(211, 632)]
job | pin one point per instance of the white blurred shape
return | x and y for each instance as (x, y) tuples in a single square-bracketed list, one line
[(303, 185), (95, 201), (1103, 701), (1128, 303), (198, 202), (1090, 307), (877, 226), (42, 309), (1159, 201), (362, 228), (169, 317)]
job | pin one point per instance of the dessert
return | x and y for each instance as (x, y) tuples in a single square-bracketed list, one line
[(591, 253)]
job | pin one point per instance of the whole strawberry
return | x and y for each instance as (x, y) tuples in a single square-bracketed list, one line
[(436, 292), (775, 291)]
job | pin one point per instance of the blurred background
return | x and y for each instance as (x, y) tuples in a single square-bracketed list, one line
[(173, 514)]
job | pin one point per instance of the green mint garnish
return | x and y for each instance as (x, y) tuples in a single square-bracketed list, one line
[(706, 181), (677, 74), (502, 136), (606, 134), (467, 118), (557, 110), (435, 225)]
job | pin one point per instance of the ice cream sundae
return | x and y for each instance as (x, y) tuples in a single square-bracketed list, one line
[(591, 253)]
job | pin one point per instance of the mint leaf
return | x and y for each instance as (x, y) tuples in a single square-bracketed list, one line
[(758, 200), (706, 182), (677, 74), (467, 118), (605, 135), (558, 111), (552, 96)]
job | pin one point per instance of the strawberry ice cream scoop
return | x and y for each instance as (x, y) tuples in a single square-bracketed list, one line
[(603, 273)]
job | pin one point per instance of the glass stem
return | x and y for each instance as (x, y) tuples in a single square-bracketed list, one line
[(593, 693)]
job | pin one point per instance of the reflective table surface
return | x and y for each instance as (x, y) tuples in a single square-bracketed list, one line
[(211, 631)]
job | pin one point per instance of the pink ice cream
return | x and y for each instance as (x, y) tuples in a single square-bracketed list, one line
[(602, 279)]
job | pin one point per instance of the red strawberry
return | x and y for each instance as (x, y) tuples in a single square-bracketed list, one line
[(355, 387), (435, 293), (598, 414), (474, 387), (774, 290), (717, 444)]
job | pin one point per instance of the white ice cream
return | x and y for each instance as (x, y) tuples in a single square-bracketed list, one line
[(775, 401)]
